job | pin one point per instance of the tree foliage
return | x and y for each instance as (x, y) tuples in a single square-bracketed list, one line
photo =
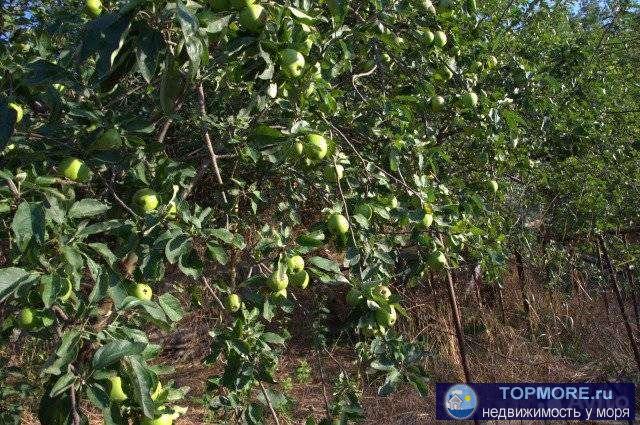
[(187, 150)]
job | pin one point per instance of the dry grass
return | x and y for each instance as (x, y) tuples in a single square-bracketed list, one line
[(571, 339)]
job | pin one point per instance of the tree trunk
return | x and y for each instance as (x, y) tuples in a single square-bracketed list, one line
[(618, 294), (523, 288), (605, 298), (455, 312), (634, 297)]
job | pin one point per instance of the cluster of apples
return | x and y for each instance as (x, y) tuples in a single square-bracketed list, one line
[(144, 200), (30, 318), (385, 315), (117, 395), (292, 272)]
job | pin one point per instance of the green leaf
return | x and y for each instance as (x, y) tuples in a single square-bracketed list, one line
[(325, 264), (11, 278), (177, 246), (7, 121), (301, 15), (171, 307), (104, 251), (62, 384), (114, 351), (218, 25), (73, 256), (218, 253), (105, 226), (271, 338), (69, 340), (223, 234), (189, 25), (98, 396), (155, 311), (143, 379), (87, 208), (148, 47), (28, 223), (170, 85), (42, 72), (390, 383)]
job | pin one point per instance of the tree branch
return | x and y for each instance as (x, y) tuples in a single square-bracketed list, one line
[(266, 397), (207, 139)]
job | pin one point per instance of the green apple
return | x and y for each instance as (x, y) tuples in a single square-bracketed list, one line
[(437, 260), (298, 148), (437, 103), (301, 279), (386, 318), (365, 210), (19, 111), (315, 147), (295, 264), (233, 302), (156, 393), (334, 174), (278, 281), (94, 7), (493, 186), (393, 202), (383, 291), (59, 87), (440, 39), (429, 37), (145, 200), (239, 4), (253, 17), (386, 58), (24, 47), (492, 62), (172, 212), (354, 297), (69, 290), (142, 291), (427, 220), (470, 99), (219, 5), (281, 294), (428, 6), (164, 419), (26, 318), (75, 170), (116, 393), (337, 224), (292, 62), (107, 140)]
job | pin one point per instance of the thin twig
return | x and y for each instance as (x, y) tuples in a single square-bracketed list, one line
[(165, 129), (353, 148), (195, 180), (74, 406), (207, 139), (215, 296), (117, 198), (14, 189), (266, 397), (324, 390)]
